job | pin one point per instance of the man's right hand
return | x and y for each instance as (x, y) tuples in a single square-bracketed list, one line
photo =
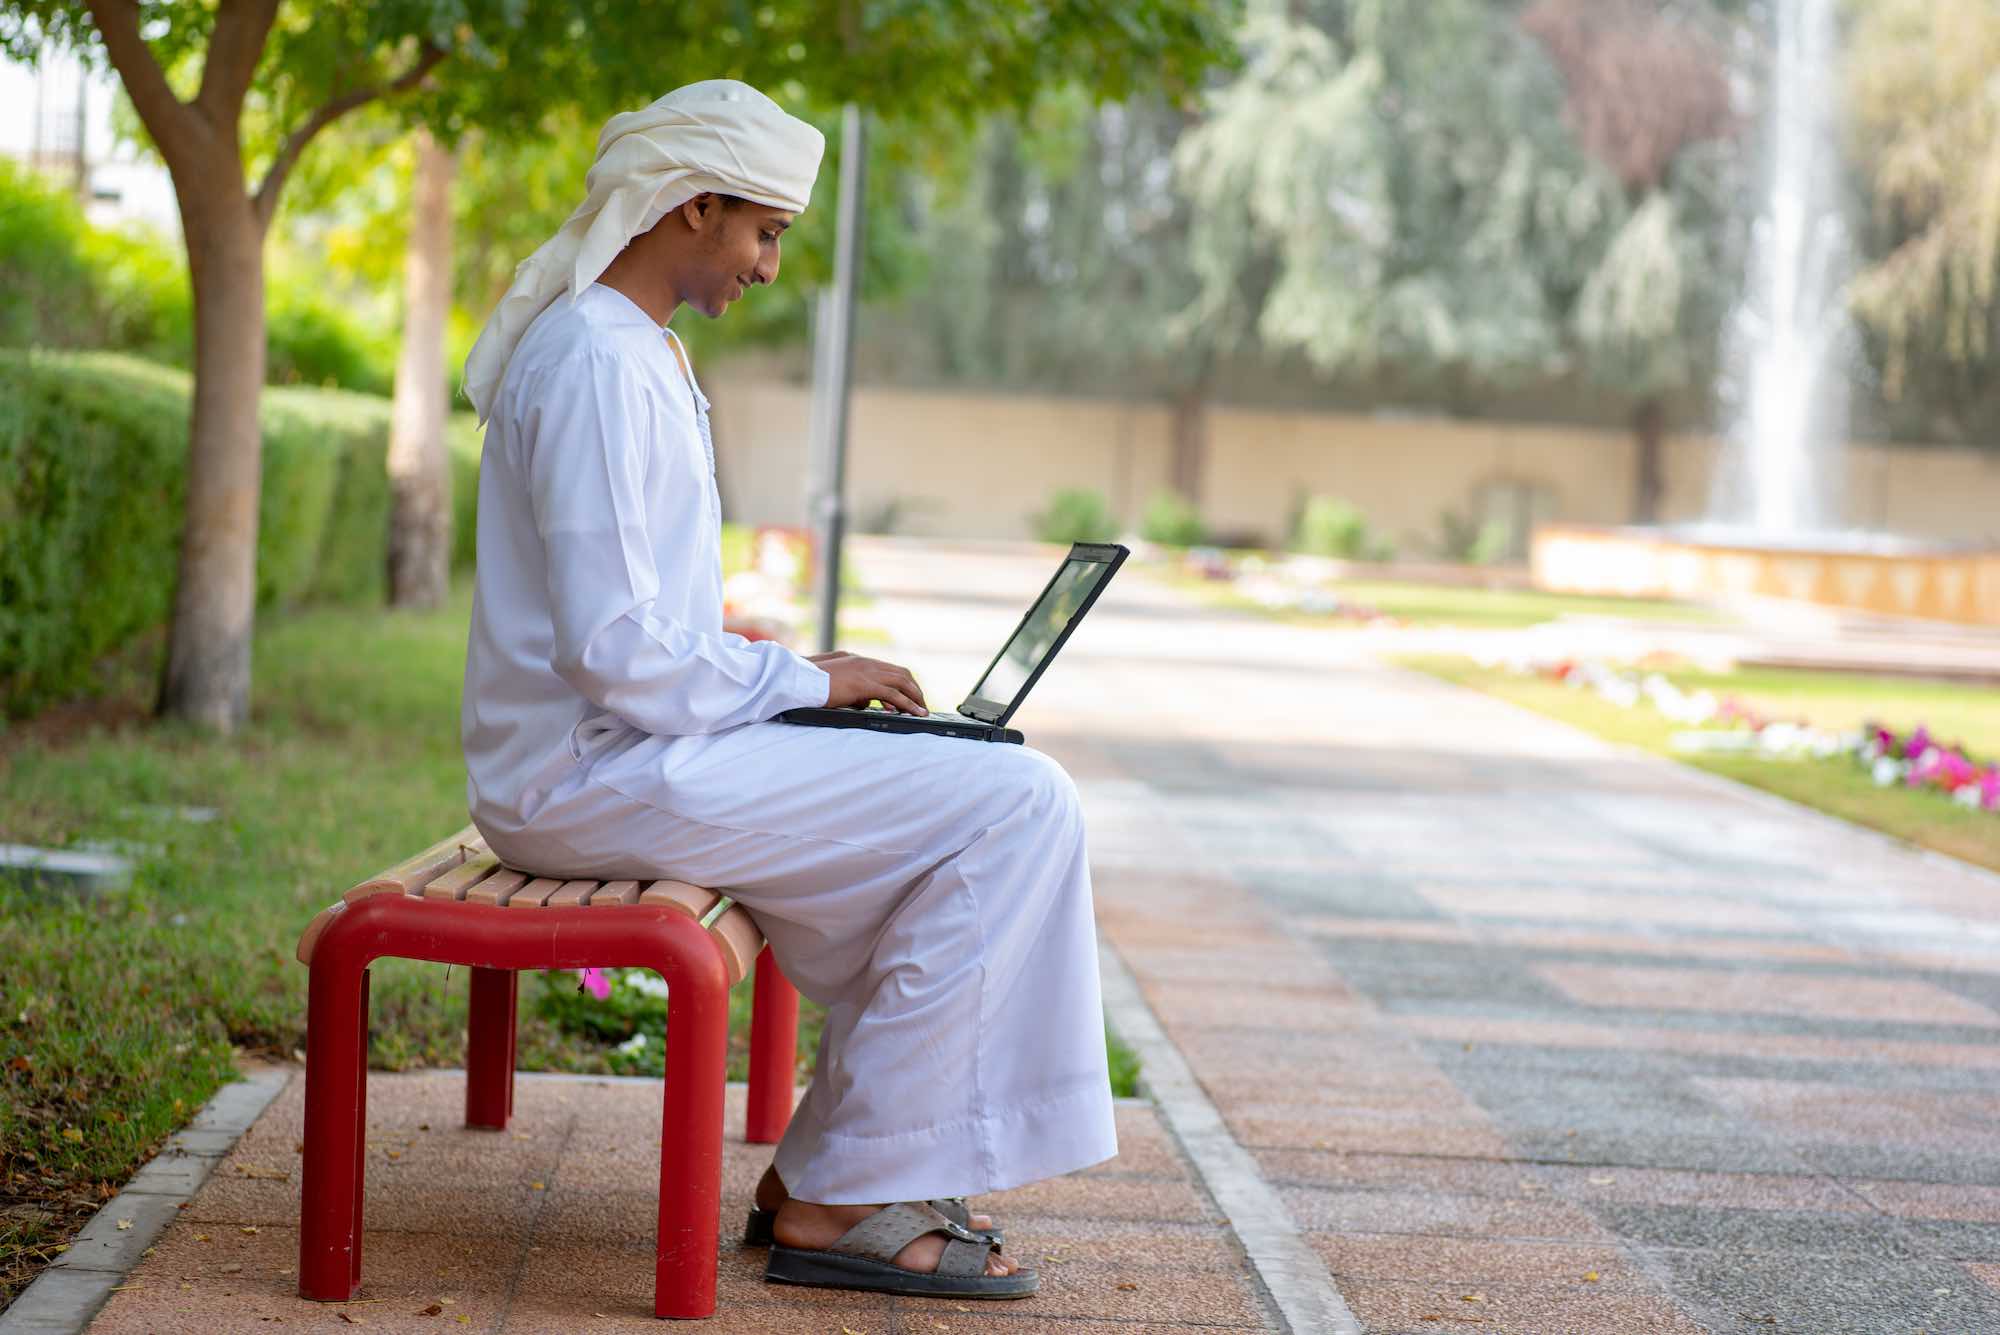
[(854, 681)]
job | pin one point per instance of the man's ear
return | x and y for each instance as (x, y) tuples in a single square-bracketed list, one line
[(700, 210)]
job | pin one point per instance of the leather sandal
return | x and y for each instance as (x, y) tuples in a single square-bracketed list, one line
[(864, 1258), (757, 1228)]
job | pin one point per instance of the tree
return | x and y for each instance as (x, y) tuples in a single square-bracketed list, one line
[(419, 470), (1925, 117), (1388, 191), (1647, 83), (224, 85)]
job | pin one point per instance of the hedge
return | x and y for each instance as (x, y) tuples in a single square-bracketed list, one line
[(93, 464), (66, 283)]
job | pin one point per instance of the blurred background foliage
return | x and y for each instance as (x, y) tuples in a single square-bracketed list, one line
[(1527, 208)]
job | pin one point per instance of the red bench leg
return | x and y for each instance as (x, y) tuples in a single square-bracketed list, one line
[(691, 1122), (489, 1049), (336, 1128), (774, 1053)]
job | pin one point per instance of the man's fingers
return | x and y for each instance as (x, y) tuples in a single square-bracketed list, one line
[(891, 694)]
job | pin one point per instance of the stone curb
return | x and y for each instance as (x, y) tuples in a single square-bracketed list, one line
[(1292, 1273), (65, 1297)]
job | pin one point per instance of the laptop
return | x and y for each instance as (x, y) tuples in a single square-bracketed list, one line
[(984, 713)]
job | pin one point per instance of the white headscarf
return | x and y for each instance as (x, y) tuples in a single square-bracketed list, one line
[(717, 136)]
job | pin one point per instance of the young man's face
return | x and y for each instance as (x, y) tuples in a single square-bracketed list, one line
[(739, 249)]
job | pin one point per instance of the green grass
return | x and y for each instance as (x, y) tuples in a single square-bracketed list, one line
[(1830, 700), (1451, 605), (119, 1019)]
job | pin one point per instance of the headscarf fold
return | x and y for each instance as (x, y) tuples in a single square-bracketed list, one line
[(716, 136)]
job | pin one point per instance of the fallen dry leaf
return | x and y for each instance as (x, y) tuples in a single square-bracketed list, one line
[(350, 1320), (250, 1229), (1473, 1298), (124, 1224), (201, 1237), (433, 1310), (1590, 1277), (395, 1154), (464, 1320), (72, 1134), (537, 1186), (1128, 1288)]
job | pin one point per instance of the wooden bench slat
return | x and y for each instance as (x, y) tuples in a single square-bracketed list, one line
[(453, 884), (570, 894), (497, 889), (463, 869), (680, 896), (615, 892), (532, 895), (411, 875)]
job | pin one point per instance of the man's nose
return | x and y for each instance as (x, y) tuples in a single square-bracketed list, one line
[(766, 271)]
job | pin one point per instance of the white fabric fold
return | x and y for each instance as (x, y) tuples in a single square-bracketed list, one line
[(718, 136)]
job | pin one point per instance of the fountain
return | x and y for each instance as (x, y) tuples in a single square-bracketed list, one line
[(1776, 498)]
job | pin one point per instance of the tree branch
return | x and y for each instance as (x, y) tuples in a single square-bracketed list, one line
[(266, 199), (171, 122), (234, 48)]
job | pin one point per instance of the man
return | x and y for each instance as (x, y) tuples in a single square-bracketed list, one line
[(931, 893)]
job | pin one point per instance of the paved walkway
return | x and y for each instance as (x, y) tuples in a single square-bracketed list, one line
[(1512, 1033), (1530, 1035)]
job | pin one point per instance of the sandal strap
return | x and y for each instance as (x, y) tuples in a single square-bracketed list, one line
[(883, 1234), (964, 1259)]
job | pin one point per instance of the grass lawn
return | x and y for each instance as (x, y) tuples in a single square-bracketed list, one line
[(1828, 700), (118, 1020), (1448, 605)]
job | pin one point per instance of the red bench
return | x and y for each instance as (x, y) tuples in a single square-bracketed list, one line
[(454, 903)]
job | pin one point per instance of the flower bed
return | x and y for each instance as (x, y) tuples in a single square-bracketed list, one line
[(1915, 759)]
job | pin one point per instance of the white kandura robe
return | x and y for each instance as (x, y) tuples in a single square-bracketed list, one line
[(931, 892)]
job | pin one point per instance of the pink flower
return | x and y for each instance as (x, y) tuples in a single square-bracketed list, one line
[(595, 982), (1989, 788)]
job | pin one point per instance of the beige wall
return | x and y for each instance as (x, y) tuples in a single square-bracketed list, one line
[(979, 465)]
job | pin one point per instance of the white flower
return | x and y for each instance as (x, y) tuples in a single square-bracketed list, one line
[(633, 1046), (1967, 796), (646, 983), (1887, 771)]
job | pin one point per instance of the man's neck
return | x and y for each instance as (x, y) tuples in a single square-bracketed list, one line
[(656, 299)]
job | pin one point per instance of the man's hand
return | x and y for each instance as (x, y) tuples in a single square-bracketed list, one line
[(857, 680)]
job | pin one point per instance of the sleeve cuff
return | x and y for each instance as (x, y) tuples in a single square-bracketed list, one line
[(811, 686)]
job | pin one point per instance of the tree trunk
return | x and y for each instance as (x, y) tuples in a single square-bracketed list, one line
[(1189, 436), (419, 469), (1649, 426), (207, 676)]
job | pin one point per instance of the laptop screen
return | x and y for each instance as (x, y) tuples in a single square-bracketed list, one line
[(1041, 631)]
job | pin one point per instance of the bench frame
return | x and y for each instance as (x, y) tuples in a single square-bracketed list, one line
[(390, 916)]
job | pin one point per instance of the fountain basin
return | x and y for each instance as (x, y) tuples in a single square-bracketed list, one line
[(1864, 572)]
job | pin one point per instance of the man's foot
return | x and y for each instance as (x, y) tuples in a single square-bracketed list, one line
[(771, 1195), (811, 1227)]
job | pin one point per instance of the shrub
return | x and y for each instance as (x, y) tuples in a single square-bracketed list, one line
[(65, 283), (1460, 539), (1171, 521), (1076, 515), (93, 460), (1329, 526)]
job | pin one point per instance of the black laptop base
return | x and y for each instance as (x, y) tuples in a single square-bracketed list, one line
[(887, 720)]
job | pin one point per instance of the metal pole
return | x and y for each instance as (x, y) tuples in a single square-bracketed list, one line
[(834, 370)]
